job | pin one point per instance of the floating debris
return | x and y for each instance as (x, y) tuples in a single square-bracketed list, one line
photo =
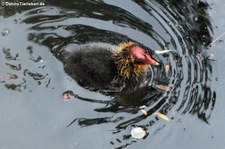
[(66, 95), (142, 107), (162, 51), (211, 57), (163, 87), (199, 56), (142, 110), (138, 133), (167, 68), (5, 32), (214, 41), (162, 116)]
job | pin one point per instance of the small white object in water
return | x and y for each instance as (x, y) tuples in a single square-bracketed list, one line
[(5, 32), (211, 57), (162, 51), (142, 110), (138, 133), (142, 107)]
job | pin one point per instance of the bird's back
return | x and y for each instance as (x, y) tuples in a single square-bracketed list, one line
[(92, 67)]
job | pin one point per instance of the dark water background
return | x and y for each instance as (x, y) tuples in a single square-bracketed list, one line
[(32, 78)]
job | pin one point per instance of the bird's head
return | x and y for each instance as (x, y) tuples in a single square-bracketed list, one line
[(132, 60)]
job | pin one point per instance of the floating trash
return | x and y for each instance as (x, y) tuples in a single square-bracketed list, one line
[(167, 68), (163, 87), (142, 109), (162, 116), (66, 95), (162, 51), (138, 132), (144, 112)]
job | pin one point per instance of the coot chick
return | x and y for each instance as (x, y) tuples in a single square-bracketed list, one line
[(108, 69)]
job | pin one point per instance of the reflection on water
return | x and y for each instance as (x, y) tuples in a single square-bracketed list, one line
[(182, 26)]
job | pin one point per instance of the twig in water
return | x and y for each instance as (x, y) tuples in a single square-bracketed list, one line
[(216, 39)]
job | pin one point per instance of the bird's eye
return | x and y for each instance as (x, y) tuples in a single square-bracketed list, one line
[(139, 60)]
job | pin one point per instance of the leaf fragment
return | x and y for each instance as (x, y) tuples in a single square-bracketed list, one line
[(144, 112), (167, 68), (162, 116), (163, 87)]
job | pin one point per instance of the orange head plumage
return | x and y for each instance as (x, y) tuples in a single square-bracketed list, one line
[(131, 59)]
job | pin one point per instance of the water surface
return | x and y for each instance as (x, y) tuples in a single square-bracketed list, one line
[(32, 77)]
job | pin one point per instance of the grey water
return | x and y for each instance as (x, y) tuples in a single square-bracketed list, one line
[(32, 77)]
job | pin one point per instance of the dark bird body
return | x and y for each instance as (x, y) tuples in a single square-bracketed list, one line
[(109, 69)]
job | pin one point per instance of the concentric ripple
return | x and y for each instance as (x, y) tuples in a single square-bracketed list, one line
[(186, 72)]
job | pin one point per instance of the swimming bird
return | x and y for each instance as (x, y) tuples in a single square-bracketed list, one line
[(109, 69)]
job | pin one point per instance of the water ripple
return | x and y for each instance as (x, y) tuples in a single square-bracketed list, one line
[(181, 26), (169, 28)]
